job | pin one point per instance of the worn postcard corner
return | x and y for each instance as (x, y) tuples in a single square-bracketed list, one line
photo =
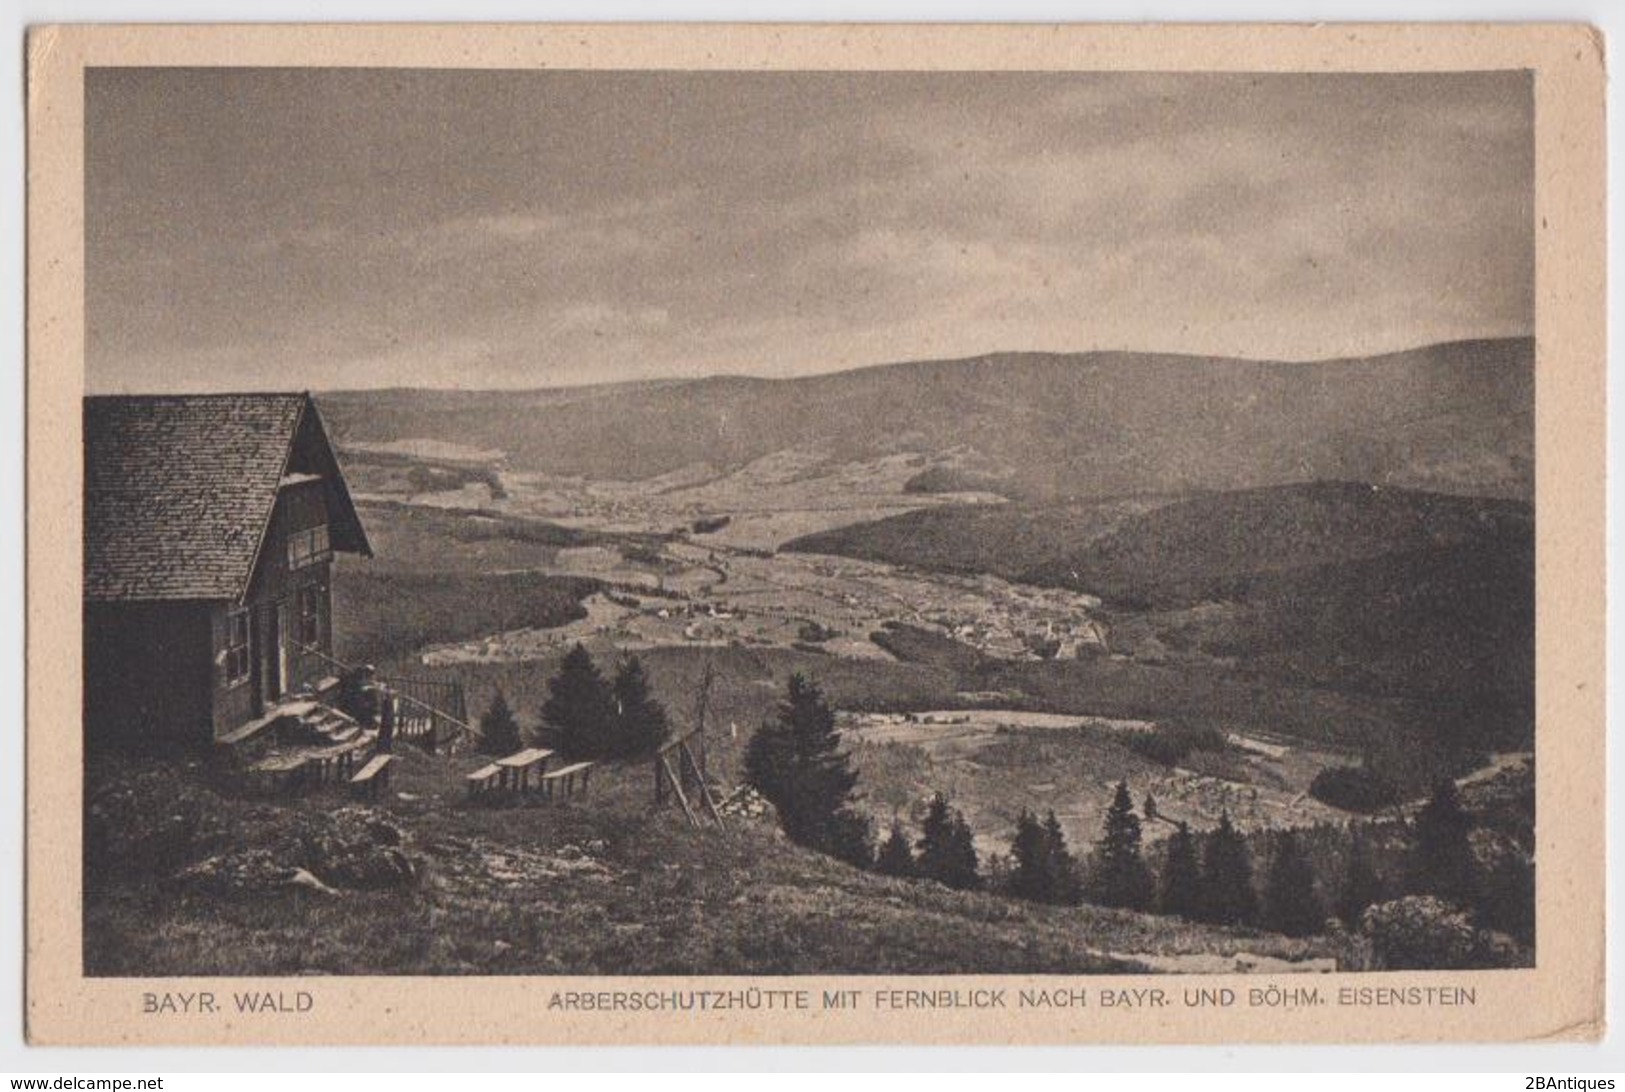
[(706, 534)]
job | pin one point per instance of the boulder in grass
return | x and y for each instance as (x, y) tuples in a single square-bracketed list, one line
[(356, 847), (248, 873)]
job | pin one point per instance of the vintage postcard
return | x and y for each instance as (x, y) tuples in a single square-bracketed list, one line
[(815, 534)]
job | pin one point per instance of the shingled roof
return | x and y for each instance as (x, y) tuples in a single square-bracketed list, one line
[(179, 490)]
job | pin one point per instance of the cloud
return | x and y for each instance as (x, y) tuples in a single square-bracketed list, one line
[(512, 229)]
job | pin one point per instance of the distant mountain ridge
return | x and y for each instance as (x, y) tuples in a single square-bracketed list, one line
[(1453, 418)]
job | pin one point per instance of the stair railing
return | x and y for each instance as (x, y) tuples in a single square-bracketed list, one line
[(436, 715)]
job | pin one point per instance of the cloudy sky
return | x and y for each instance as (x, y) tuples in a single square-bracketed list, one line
[(327, 229)]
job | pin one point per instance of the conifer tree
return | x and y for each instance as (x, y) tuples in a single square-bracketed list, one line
[(1442, 859), (579, 707), (1120, 877), (1063, 866), (947, 849), (1181, 893), (639, 722), (1362, 887), (1227, 877), (499, 729), (896, 856), (963, 866), (1291, 905), (936, 831), (851, 838), (1031, 872), (795, 760), (1149, 808), (996, 870)]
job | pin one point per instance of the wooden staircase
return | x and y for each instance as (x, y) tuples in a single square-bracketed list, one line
[(298, 743), (317, 723)]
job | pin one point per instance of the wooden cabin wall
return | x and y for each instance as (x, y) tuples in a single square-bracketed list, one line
[(275, 584), (147, 683)]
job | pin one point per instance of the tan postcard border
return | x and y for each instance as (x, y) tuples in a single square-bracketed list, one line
[(1561, 999)]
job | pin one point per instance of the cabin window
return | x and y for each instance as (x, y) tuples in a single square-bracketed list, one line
[(308, 547), (310, 616), (237, 660)]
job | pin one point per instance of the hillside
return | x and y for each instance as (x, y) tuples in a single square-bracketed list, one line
[(1210, 546), (1453, 418), (1163, 551), (602, 887), (1382, 591)]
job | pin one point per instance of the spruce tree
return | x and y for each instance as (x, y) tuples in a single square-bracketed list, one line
[(996, 870), (1032, 873), (1120, 877), (639, 722), (1362, 887), (795, 760), (499, 729), (1227, 877), (936, 832), (947, 849), (1065, 888), (579, 707), (1149, 808), (851, 838), (1291, 905), (963, 866), (1181, 893), (1442, 859), (896, 857)]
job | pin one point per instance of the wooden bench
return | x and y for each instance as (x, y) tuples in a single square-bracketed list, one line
[(337, 763), (483, 780), (517, 766), (373, 778), (566, 776)]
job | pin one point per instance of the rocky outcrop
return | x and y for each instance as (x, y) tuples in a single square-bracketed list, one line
[(351, 848)]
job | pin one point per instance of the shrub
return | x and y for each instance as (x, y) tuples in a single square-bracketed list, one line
[(1506, 890), (1421, 933)]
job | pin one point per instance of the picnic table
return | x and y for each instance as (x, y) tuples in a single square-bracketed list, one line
[(483, 780), (565, 776), (515, 769)]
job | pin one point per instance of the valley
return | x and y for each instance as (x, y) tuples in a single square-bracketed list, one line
[(1035, 636), (1000, 604)]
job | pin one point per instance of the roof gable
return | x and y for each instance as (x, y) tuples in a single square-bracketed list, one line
[(179, 490)]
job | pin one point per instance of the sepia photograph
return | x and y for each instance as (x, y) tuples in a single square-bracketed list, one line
[(645, 523), (608, 523)]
